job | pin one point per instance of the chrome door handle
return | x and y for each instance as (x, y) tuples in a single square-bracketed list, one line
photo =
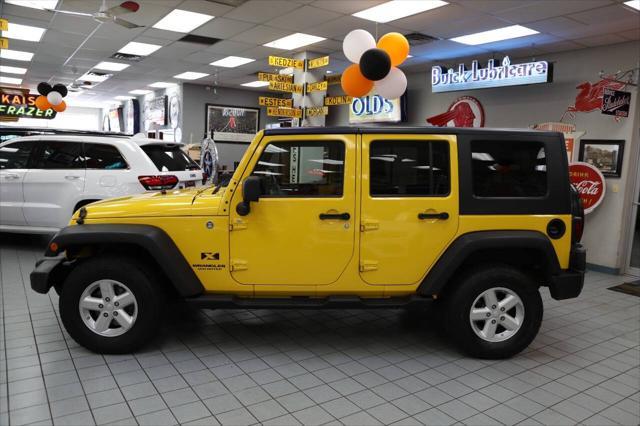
[(72, 177), (11, 176)]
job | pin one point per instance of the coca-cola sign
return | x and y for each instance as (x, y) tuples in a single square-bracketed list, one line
[(590, 184)]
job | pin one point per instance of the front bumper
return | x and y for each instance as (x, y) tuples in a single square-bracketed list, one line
[(568, 284), (42, 277)]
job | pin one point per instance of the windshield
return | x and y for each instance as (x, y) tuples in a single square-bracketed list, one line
[(169, 158)]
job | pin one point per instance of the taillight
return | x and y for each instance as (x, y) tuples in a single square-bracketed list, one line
[(577, 216), (155, 183)]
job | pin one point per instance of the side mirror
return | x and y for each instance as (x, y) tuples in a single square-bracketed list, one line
[(250, 193)]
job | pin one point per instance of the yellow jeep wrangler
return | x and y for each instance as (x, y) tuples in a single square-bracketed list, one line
[(473, 221)]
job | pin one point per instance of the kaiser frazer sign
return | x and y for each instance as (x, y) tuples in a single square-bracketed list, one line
[(507, 74)]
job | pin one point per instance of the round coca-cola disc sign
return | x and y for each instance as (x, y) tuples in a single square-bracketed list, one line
[(590, 184)]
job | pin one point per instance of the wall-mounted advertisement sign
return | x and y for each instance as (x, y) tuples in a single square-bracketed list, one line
[(615, 102), (466, 111), (374, 109), (589, 182), (19, 103), (232, 124), (507, 74)]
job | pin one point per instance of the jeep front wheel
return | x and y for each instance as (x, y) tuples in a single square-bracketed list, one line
[(110, 304), (494, 312)]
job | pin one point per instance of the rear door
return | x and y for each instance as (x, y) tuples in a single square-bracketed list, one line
[(171, 160), (409, 205), (14, 163)]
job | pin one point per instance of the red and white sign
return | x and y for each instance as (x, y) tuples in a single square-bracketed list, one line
[(466, 111), (590, 184)]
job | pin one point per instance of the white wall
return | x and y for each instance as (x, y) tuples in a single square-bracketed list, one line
[(73, 118)]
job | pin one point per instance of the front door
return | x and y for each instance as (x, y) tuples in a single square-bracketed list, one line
[(634, 256), (14, 163), (409, 205), (300, 232)]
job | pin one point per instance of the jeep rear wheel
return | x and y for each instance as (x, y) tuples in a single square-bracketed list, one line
[(493, 312), (111, 304)]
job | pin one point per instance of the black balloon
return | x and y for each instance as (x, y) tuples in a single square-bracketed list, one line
[(375, 64), (44, 88), (61, 88)]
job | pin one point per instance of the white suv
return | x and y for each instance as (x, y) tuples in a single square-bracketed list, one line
[(44, 179)]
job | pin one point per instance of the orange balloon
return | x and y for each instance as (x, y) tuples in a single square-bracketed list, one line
[(396, 45), (354, 83), (60, 107), (42, 103)]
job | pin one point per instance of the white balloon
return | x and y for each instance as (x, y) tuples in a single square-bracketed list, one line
[(54, 98), (356, 43), (393, 85)]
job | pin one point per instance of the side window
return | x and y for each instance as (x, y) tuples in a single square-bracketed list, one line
[(15, 155), (508, 169), (409, 168), (60, 155), (301, 169), (102, 156)]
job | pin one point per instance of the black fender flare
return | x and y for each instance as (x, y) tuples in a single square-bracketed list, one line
[(465, 245), (152, 239)]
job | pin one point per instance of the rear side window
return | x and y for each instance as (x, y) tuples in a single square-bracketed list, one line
[(409, 168), (60, 155), (169, 158), (301, 169), (509, 169), (102, 156), (15, 155)]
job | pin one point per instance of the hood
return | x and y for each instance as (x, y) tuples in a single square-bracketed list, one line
[(155, 204)]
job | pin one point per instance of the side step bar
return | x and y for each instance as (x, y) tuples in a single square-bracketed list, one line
[(224, 301)]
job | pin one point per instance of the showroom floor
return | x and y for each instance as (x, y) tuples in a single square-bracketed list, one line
[(314, 367)]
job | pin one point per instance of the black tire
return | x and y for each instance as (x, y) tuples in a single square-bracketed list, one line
[(141, 281), (471, 285)]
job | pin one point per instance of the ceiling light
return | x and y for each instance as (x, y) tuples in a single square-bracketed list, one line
[(256, 83), (94, 77), (15, 55), (35, 4), (10, 80), (123, 98), (162, 84), (111, 66), (633, 4), (232, 62), (396, 9), (139, 92), (329, 72), (294, 41), (12, 70), (182, 21), (498, 34), (23, 32), (190, 75), (142, 49), (286, 71)]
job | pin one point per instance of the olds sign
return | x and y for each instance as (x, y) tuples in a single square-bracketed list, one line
[(374, 109), (507, 74), (20, 103)]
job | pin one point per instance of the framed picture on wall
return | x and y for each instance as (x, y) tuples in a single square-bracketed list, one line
[(604, 154), (232, 124)]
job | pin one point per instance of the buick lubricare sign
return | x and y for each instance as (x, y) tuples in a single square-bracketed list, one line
[(374, 109), (493, 75)]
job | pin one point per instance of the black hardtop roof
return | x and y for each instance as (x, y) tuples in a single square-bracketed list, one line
[(403, 130)]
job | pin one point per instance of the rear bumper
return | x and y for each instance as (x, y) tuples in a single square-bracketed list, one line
[(568, 284), (41, 277)]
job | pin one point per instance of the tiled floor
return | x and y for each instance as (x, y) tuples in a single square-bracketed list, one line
[(315, 367)]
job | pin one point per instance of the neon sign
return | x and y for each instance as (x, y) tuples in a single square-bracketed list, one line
[(21, 104), (374, 109), (507, 74)]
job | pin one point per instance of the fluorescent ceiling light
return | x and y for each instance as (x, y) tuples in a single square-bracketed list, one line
[(16, 55), (95, 78), (162, 84), (498, 34), (123, 98), (10, 80), (35, 4), (23, 32), (294, 41), (256, 83), (111, 66), (396, 9), (633, 4), (142, 49), (190, 75), (139, 92), (232, 62), (286, 71), (182, 21), (12, 70)]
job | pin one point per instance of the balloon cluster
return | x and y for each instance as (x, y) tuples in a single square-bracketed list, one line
[(51, 97), (374, 65)]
